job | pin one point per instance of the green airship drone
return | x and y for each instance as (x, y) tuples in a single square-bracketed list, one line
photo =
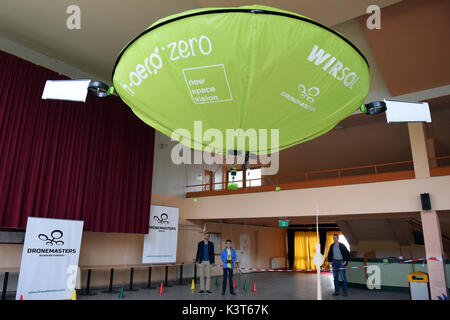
[(251, 67)]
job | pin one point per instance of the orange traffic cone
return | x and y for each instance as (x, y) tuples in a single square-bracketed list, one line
[(234, 284), (161, 289), (21, 297), (254, 286)]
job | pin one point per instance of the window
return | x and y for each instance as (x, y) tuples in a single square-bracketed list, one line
[(237, 178), (251, 175), (216, 238), (252, 178)]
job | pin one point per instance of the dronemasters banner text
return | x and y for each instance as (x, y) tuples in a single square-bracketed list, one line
[(49, 259), (160, 244)]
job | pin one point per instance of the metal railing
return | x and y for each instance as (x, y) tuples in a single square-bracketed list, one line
[(308, 176)]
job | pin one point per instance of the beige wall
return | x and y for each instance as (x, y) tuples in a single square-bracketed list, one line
[(265, 242), (10, 255), (369, 198)]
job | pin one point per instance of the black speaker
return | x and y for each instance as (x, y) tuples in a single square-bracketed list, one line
[(426, 203), (418, 237)]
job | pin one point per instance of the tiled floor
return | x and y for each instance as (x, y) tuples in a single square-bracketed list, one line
[(270, 286)]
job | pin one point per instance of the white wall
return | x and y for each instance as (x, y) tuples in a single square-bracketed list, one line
[(171, 179)]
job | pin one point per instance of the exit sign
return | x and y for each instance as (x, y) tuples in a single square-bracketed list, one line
[(283, 223)]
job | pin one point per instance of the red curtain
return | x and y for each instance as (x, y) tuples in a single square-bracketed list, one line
[(88, 161)]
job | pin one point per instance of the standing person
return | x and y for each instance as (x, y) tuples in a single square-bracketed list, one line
[(339, 256), (228, 257), (205, 259)]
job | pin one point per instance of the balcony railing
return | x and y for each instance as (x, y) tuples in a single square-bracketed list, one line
[(320, 178)]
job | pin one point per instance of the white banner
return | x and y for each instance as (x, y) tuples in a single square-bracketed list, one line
[(49, 259), (160, 244)]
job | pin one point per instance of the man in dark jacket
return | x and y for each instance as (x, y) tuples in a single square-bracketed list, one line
[(205, 259), (338, 255)]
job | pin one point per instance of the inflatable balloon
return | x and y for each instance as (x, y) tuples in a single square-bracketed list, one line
[(248, 68)]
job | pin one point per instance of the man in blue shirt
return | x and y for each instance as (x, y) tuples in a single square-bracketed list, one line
[(228, 257), (205, 259)]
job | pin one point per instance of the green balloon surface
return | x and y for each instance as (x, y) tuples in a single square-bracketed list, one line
[(253, 68)]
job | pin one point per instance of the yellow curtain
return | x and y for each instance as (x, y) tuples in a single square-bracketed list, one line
[(327, 247), (312, 242), (300, 251), (304, 250)]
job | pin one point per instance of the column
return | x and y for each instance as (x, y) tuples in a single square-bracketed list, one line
[(434, 248), (419, 149), (430, 220)]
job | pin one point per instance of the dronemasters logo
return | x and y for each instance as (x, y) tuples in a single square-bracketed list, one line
[(55, 238), (56, 235), (162, 219)]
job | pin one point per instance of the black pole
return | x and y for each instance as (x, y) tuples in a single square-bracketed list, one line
[(131, 278), (88, 286), (181, 276), (167, 271), (130, 288), (149, 281), (195, 272), (166, 281), (111, 280), (5, 285)]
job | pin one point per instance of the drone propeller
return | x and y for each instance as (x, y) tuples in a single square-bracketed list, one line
[(75, 90)]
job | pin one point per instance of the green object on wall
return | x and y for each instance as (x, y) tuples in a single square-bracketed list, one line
[(232, 186), (252, 67)]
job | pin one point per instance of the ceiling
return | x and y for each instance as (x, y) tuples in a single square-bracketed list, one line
[(108, 25), (417, 27)]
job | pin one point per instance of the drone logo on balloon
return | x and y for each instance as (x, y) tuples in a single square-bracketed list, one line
[(308, 95)]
